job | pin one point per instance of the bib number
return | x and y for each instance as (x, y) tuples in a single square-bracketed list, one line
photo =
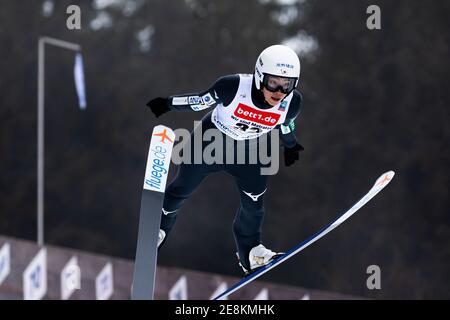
[(245, 128)]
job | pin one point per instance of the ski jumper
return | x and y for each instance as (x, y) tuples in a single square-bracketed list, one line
[(240, 113)]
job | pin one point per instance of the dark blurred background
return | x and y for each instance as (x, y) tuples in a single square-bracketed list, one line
[(373, 101)]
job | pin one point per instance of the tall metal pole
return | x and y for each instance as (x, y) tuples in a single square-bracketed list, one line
[(40, 127)]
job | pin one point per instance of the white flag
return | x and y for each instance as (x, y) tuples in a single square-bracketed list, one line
[(79, 80), (104, 283), (179, 290), (5, 261), (35, 277)]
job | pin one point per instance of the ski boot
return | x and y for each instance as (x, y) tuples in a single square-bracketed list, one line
[(161, 237), (259, 257)]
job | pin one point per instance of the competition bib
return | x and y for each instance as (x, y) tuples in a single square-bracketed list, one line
[(242, 120)]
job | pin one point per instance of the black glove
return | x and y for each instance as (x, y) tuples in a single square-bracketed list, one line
[(291, 154), (159, 106)]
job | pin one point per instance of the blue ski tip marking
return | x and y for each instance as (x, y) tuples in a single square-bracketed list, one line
[(379, 185)]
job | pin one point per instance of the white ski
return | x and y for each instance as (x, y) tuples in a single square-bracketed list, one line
[(381, 182), (156, 173)]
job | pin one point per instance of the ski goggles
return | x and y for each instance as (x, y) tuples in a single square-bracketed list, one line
[(276, 83)]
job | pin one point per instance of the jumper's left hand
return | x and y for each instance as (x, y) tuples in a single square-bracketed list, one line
[(292, 154)]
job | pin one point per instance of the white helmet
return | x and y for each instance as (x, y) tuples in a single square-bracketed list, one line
[(277, 60)]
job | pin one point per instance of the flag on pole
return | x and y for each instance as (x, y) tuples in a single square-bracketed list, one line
[(79, 80)]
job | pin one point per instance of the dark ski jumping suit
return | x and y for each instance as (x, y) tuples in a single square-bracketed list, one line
[(240, 112)]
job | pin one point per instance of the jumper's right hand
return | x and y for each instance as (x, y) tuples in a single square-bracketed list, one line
[(159, 106)]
